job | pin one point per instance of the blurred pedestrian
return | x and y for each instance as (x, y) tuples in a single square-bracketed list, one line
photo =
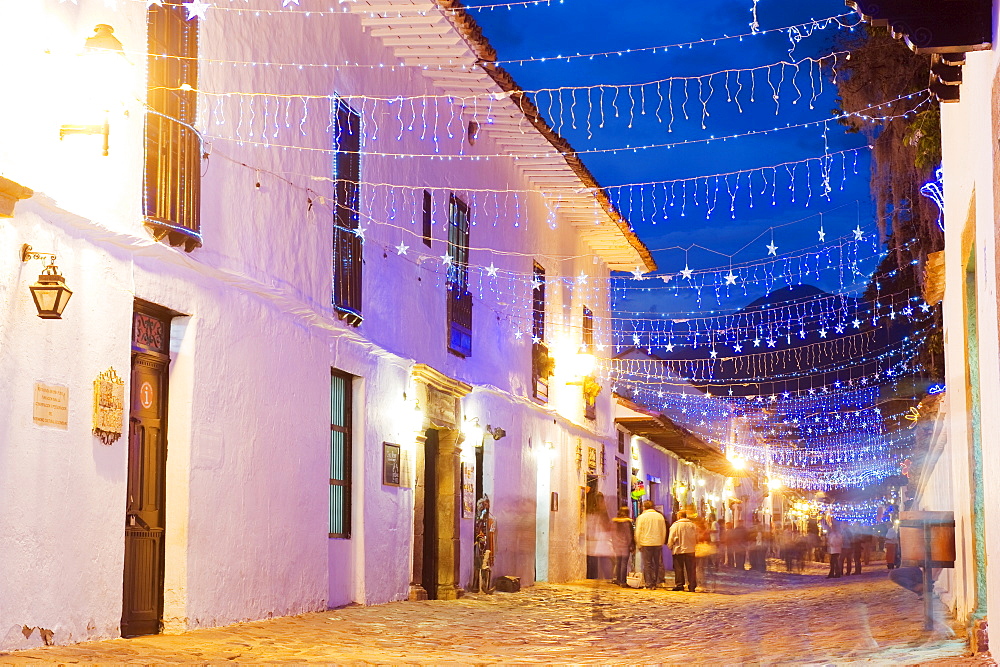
[(623, 542), (834, 546), (650, 533), (892, 556), (738, 543), (682, 541), (599, 550), (848, 536), (706, 552)]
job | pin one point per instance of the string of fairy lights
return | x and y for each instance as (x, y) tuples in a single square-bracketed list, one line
[(818, 419)]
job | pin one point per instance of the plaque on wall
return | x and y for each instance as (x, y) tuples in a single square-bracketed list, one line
[(51, 405), (109, 406), (468, 491), (592, 460), (391, 464)]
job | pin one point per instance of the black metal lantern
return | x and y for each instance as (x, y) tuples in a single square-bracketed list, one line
[(50, 292)]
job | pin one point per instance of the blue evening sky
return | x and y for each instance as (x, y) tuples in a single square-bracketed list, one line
[(588, 26)]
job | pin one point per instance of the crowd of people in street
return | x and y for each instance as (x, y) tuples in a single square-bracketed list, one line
[(702, 545)]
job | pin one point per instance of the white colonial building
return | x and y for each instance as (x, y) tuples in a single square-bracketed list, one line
[(334, 282)]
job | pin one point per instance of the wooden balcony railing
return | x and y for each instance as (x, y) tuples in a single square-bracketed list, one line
[(172, 202)]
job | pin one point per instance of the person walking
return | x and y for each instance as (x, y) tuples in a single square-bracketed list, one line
[(682, 541), (834, 547), (623, 542), (650, 532)]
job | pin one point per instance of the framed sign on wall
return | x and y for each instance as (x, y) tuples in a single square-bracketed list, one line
[(391, 464)]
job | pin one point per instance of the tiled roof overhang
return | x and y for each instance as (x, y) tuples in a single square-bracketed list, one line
[(946, 29), (441, 38)]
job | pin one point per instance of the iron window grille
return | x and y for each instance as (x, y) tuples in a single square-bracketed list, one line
[(348, 248), (459, 296)]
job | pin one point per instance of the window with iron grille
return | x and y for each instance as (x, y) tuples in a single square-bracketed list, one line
[(172, 170), (588, 329), (428, 218), (459, 296), (541, 362), (341, 397), (348, 247)]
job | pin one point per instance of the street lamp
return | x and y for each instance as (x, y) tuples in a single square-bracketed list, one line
[(50, 292), (100, 64)]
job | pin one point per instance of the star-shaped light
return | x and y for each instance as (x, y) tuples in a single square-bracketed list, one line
[(839, 328), (756, 342), (686, 273), (856, 323), (285, 3), (802, 333), (637, 273), (600, 347), (773, 398), (822, 235), (635, 338), (536, 340), (402, 248), (491, 270), (859, 235), (926, 307), (771, 248), (196, 9), (713, 354), (359, 232), (786, 394), (908, 311), (581, 279), (535, 284), (731, 278), (669, 347), (446, 259), (822, 333), (737, 348), (771, 342)]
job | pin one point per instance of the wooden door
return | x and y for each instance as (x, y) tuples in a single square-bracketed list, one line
[(142, 600), (429, 575)]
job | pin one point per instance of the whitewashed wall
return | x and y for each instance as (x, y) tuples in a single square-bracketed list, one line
[(249, 397), (969, 130)]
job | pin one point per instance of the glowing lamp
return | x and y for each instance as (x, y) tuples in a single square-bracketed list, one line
[(50, 292), (774, 484), (100, 68)]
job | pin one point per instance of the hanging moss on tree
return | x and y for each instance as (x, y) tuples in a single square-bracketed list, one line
[(906, 150)]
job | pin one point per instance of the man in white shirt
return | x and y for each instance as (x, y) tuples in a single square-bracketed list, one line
[(650, 531), (682, 540)]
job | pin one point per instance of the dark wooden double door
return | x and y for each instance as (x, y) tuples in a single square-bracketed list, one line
[(142, 596)]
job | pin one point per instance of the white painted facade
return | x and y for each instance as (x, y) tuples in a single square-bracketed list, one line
[(966, 457), (247, 488)]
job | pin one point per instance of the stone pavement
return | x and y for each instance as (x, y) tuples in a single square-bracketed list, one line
[(758, 618)]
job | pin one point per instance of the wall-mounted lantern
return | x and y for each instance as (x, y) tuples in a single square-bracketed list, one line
[(50, 292), (100, 64)]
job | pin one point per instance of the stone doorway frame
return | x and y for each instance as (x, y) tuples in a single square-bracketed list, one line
[(441, 397)]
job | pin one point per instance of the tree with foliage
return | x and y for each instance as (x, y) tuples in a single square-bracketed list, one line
[(906, 151)]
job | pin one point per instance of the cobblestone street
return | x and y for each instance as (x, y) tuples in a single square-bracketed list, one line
[(757, 618)]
